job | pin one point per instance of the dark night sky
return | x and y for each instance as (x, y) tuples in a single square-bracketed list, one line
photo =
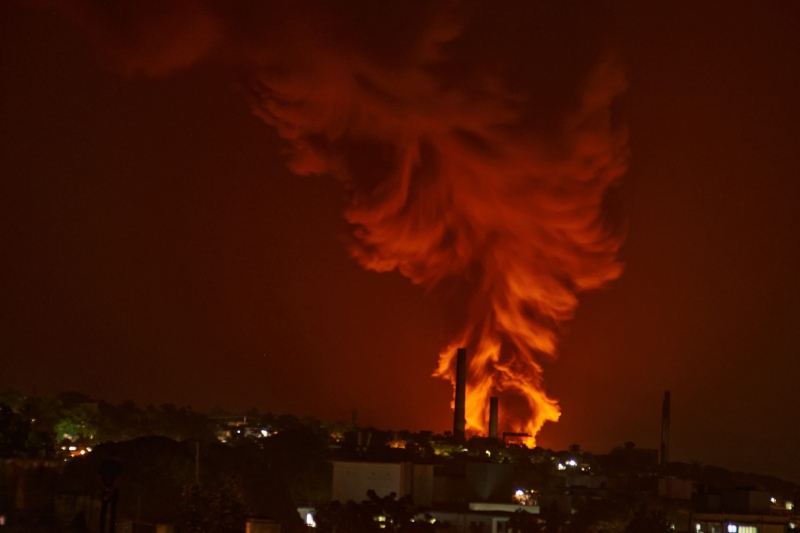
[(155, 247)]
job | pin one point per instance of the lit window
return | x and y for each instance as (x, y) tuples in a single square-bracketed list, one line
[(732, 528)]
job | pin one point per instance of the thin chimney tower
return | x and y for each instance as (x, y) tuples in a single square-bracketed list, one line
[(459, 411), (493, 411), (665, 429)]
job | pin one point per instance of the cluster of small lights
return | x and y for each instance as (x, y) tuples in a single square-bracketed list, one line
[(788, 505), (525, 497), (75, 451), (248, 432), (734, 528), (563, 466)]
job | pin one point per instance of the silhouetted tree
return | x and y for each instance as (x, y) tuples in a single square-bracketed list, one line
[(554, 518), (14, 432), (597, 515), (343, 518), (301, 458), (524, 522), (212, 511), (644, 521), (77, 423), (373, 515), (156, 470)]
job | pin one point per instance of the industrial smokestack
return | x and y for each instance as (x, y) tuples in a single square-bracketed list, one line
[(459, 412), (665, 429), (493, 417)]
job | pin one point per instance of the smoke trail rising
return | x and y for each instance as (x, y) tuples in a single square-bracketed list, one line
[(476, 145), (460, 182)]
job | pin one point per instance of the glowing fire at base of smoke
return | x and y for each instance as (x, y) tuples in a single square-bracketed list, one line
[(486, 377)]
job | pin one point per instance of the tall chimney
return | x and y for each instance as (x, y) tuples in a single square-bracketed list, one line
[(665, 429), (493, 417), (459, 412)]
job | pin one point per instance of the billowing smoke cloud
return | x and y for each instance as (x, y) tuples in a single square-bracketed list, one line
[(477, 145)]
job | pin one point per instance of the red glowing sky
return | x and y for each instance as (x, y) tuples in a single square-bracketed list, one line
[(156, 248)]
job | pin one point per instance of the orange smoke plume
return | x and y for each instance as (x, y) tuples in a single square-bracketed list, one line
[(479, 151), (451, 183)]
